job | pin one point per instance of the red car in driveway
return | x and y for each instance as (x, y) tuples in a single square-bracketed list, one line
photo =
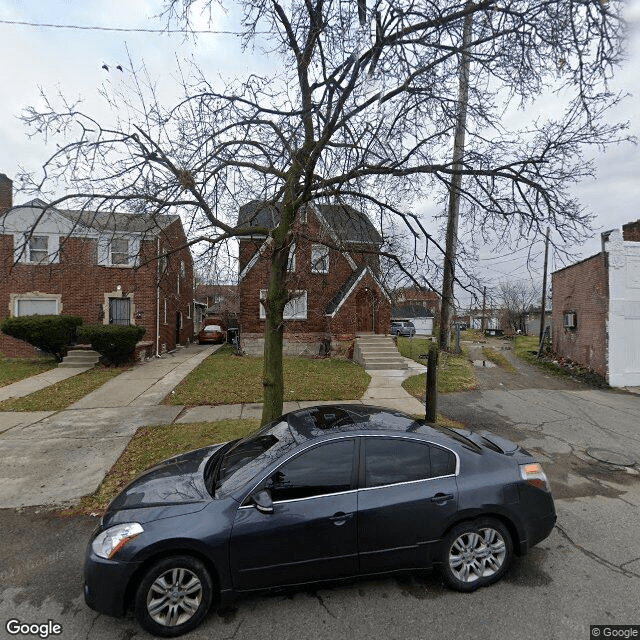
[(211, 334)]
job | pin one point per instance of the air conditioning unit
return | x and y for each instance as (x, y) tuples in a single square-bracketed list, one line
[(569, 320)]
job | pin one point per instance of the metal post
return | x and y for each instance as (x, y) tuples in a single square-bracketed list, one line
[(431, 399)]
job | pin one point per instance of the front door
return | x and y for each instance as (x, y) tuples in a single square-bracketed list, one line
[(120, 311), (312, 532)]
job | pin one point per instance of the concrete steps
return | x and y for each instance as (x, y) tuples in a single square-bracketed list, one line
[(375, 351), (80, 358)]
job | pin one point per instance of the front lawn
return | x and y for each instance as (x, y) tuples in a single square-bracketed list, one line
[(151, 445), (59, 396), (13, 370), (225, 378)]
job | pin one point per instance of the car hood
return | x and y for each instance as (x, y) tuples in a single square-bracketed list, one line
[(176, 481)]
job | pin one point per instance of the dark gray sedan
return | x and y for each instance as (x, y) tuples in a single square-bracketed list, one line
[(321, 494)]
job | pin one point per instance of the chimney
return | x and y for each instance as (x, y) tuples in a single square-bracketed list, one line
[(6, 193), (631, 231)]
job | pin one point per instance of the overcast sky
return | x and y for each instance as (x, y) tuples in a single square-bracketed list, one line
[(71, 60)]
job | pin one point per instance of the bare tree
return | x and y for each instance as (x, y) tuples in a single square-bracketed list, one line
[(517, 298), (360, 108)]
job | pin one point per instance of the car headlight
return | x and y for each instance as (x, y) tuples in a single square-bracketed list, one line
[(110, 541)]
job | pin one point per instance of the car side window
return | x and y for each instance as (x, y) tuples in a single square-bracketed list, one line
[(443, 462), (391, 460), (394, 460), (325, 469)]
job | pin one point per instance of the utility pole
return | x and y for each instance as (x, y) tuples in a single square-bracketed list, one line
[(483, 322), (448, 276), (544, 292)]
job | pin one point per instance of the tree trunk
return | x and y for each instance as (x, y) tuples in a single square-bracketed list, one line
[(277, 298), (448, 276)]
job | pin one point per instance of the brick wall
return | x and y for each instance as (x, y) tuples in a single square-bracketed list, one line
[(178, 297), (631, 231), (6, 193), (82, 285), (583, 289)]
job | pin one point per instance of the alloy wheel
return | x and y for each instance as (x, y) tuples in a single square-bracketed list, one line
[(477, 554), (174, 597)]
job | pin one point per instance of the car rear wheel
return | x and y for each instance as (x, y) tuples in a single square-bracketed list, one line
[(476, 554), (174, 596)]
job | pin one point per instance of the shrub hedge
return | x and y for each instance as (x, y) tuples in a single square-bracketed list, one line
[(113, 341), (52, 334)]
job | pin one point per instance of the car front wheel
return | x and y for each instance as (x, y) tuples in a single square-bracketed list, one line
[(173, 596), (476, 554)]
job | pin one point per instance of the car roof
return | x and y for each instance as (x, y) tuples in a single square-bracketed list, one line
[(316, 422)]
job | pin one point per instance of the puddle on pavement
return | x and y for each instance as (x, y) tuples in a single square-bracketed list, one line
[(483, 363)]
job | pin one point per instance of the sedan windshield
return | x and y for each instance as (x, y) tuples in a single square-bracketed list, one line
[(247, 457)]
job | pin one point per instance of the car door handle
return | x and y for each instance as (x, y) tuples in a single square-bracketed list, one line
[(442, 497), (340, 518)]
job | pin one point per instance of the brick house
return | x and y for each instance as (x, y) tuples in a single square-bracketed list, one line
[(103, 267), (334, 270), (596, 309)]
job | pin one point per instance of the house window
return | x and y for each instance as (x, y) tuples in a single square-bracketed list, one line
[(183, 269), (39, 249), (319, 259), (178, 285), (164, 263), (569, 320), (291, 264), (35, 307), (119, 251), (295, 309)]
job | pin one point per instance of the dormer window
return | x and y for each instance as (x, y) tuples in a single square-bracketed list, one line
[(39, 249), (119, 251), (319, 259)]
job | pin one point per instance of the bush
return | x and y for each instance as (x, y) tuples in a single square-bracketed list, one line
[(113, 341), (52, 334)]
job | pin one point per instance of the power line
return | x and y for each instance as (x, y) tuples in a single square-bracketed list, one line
[(118, 29)]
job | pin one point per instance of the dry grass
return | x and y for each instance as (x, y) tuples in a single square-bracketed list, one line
[(225, 378), (498, 359)]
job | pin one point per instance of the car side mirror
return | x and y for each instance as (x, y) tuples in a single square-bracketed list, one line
[(263, 501)]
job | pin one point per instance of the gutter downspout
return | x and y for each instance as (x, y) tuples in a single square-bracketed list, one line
[(158, 298)]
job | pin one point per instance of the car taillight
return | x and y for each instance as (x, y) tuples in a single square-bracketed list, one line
[(534, 475)]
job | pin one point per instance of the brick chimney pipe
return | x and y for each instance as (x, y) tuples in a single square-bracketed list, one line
[(6, 193)]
